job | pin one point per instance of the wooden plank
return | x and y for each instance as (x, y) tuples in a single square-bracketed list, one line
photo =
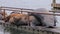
[(36, 28), (10, 9), (42, 30), (15, 8), (34, 12), (55, 5), (56, 11)]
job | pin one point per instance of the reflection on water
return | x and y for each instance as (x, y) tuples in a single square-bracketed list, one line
[(5, 30)]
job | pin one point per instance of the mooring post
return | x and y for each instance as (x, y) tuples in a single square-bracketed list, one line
[(54, 2)]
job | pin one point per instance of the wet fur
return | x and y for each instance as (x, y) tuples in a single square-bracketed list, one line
[(22, 19)]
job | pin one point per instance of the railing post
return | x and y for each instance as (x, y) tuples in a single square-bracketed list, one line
[(54, 1), (21, 11), (28, 20), (4, 14)]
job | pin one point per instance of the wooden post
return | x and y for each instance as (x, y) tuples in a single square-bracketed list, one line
[(28, 20), (54, 2), (21, 11), (4, 14)]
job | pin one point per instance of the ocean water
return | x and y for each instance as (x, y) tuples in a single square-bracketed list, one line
[(5, 30)]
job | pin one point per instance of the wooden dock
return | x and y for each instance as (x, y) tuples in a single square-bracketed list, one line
[(38, 30), (34, 30)]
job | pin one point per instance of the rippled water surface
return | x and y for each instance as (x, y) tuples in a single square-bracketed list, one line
[(5, 30)]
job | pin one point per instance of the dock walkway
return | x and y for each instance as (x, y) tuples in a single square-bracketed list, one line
[(35, 30)]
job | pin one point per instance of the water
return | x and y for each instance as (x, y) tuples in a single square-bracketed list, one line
[(6, 30)]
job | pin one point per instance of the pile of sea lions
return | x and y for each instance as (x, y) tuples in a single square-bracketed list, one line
[(31, 19)]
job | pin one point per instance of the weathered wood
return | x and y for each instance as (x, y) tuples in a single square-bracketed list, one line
[(56, 11), (39, 30), (55, 5), (15, 8), (35, 30), (35, 12)]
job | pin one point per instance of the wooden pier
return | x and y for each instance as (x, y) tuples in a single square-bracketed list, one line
[(32, 30), (37, 29)]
